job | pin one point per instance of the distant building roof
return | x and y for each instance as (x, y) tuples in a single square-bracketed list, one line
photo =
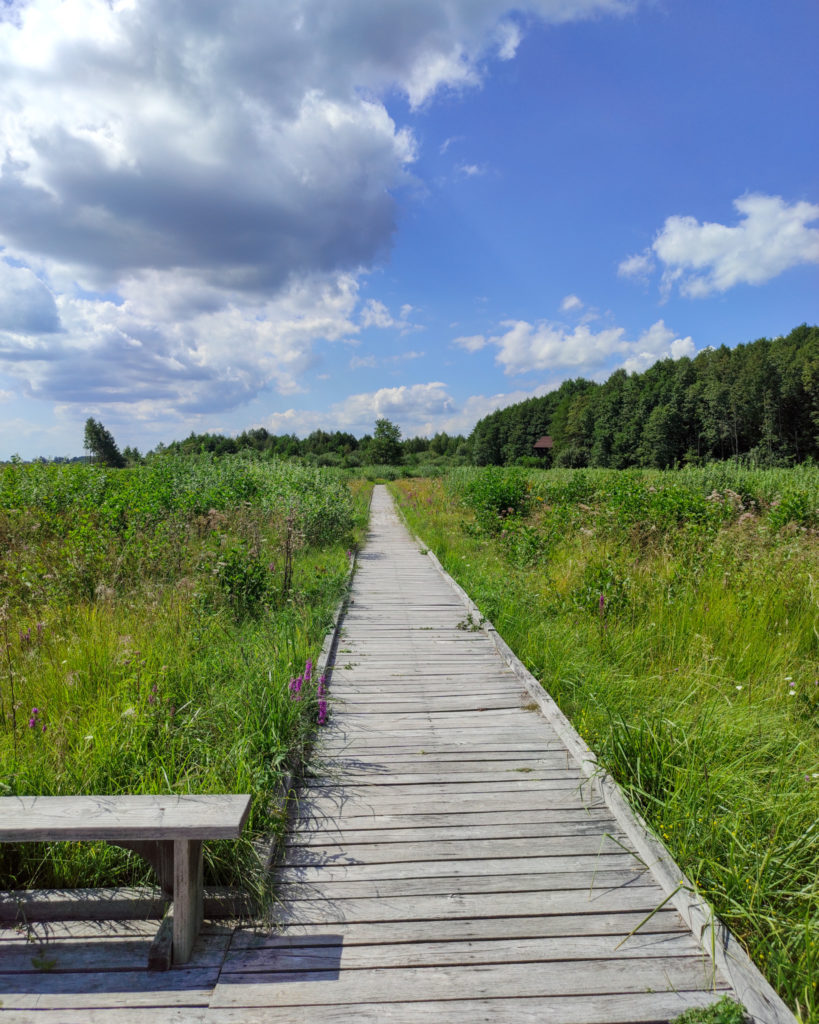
[(544, 442)]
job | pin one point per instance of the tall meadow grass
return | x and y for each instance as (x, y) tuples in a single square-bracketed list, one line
[(150, 623), (675, 618)]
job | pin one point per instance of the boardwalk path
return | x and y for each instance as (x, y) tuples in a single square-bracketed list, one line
[(447, 866)]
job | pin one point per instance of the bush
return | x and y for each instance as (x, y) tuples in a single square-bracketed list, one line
[(494, 494)]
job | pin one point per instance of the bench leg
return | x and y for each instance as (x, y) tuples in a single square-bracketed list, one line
[(188, 897)]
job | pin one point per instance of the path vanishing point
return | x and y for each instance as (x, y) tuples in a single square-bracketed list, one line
[(448, 864)]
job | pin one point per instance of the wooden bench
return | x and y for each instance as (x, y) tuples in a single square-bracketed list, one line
[(166, 830)]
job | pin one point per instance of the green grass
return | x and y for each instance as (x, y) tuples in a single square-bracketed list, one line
[(674, 618), (154, 619), (724, 1011)]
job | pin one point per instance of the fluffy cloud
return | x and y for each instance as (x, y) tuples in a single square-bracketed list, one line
[(570, 304), (209, 357), (415, 408), (526, 347), (26, 305), (638, 266), (771, 237), (218, 174), (422, 409)]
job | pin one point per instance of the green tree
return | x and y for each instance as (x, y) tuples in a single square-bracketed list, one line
[(385, 446), (101, 444)]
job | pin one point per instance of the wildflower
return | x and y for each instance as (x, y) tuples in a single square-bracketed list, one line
[(602, 603), (40, 628), (295, 687), (322, 712), (308, 670), (739, 687), (321, 685)]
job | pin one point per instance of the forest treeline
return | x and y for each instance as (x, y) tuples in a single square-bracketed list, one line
[(759, 400)]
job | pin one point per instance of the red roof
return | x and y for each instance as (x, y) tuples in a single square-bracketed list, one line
[(544, 442)]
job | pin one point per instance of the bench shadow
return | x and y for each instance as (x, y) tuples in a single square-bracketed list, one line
[(283, 958)]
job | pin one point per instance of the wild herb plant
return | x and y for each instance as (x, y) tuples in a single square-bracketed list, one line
[(675, 618)]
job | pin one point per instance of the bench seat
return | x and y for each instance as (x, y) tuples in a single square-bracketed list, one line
[(167, 830)]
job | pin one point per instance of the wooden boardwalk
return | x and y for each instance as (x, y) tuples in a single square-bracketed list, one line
[(448, 863)]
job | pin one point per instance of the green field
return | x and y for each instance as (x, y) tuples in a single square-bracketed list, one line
[(674, 616), (151, 621)]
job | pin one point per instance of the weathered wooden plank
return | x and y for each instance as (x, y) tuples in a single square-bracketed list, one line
[(446, 781), (431, 885), (172, 816), (328, 956), (465, 704), (455, 929), (45, 990), (460, 746), (632, 1008), (416, 792), (428, 764), (44, 932), (444, 907), (338, 870), (124, 1014), (311, 988), (327, 837), (453, 850), (369, 804), (108, 953), (502, 816)]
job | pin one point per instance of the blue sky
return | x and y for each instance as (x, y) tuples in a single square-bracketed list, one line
[(313, 213)]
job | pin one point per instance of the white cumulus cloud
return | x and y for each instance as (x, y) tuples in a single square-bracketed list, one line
[(214, 173), (416, 408), (570, 304), (771, 236), (546, 347)]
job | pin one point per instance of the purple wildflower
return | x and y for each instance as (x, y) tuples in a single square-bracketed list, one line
[(295, 687), (321, 686), (308, 670), (322, 712), (602, 603)]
